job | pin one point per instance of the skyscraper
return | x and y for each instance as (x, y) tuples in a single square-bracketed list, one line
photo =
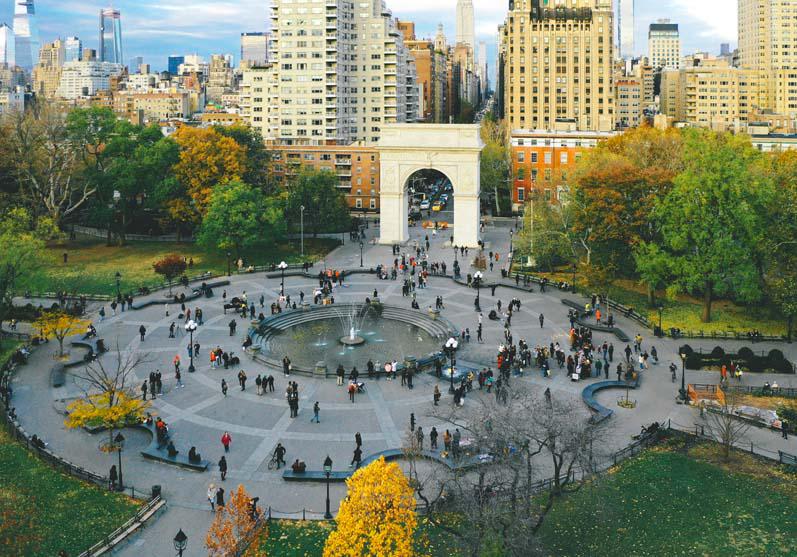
[(625, 28), (466, 32), (73, 49), (174, 63), (111, 36), (664, 45), (26, 34), (254, 49), (7, 46)]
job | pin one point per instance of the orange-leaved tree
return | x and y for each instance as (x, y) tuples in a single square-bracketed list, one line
[(59, 325), (378, 515), (232, 524), (170, 267)]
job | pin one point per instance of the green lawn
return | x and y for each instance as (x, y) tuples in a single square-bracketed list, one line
[(670, 503), (92, 266), (60, 511)]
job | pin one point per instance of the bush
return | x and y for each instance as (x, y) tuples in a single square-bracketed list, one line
[(685, 349), (746, 353), (717, 353)]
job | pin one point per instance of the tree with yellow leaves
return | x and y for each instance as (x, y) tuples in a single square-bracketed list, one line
[(59, 325), (207, 159), (378, 515), (232, 524)]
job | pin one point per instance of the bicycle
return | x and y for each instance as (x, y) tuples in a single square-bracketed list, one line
[(275, 462)]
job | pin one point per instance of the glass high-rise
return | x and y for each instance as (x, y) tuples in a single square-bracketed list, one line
[(174, 63), (26, 34), (73, 49), (111, 36), (7, 46)]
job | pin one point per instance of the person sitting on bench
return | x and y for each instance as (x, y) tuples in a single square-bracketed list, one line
[(193, 456), (298, 467), (171, 450)]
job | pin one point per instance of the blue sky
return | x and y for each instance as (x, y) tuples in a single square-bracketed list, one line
[(156, 28)]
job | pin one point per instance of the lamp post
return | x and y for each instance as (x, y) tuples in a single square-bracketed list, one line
[(229, 270), (573, 285), (282, 266), (190, 327), (120, 442), (511, 237), (683, 392), (660, 308), (477, 280), (450, 348), (327, 473), (455, 254), (180, 542), (361, 253), (301, 212), (118, 284)]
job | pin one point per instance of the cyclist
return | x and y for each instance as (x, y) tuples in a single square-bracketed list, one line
[(279, 455)]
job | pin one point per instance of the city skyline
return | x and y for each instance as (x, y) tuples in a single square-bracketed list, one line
[(156, 30)]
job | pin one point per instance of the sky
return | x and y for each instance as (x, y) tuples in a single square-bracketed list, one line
[(156, 28)]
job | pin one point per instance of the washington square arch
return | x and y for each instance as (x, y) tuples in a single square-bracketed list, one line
[(453, 150)]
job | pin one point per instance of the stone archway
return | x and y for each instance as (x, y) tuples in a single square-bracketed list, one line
[(454, 150)]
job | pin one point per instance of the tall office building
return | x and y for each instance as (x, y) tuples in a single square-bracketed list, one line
[(725, 49), (174, 63), (46, 75), (111, 36), (7, 46), (664, 45), (466, 32), (625, 28), (254, 49), (26, 34), (73, 49), (481, 65), (557, 65), (767, 46), (338, 78)]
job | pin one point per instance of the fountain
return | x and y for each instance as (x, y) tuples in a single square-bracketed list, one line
[(353, 319)]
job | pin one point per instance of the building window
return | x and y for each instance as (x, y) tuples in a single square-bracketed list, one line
[(521, 194), (563, 157), (373, 204), (358, 203)]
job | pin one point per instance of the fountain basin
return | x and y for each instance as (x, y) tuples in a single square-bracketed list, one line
[(356, 340)]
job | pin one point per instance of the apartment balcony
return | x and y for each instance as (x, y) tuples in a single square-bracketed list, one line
[(344, 161), (344, 174)]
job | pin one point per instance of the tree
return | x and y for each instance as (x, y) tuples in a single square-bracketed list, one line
[(108, 399), (724, 425), (170, 267), (712, 221), (545, 237), (324, 204), (259, 172), (377, 517), (59, 325), (494, 165), (46, 163), (232, 524), (241, 217), (207, 159)]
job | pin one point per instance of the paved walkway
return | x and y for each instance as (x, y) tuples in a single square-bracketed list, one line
[(198, 414)]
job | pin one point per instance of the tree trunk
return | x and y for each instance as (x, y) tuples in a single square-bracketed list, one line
[(707, 299), (651, 297)]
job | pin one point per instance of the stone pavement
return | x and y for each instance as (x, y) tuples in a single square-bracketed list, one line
[(198, 414)]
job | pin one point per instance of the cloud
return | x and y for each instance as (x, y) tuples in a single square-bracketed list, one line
[(716, 19)]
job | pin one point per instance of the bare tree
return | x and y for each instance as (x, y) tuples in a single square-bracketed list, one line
[(531, 450), (723, 424)]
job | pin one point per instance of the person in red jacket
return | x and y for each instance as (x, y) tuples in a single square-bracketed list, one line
[(226, 439)]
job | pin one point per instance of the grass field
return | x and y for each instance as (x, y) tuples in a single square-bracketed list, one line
[(667, 501), (685, 311), (92, 266), (59, 512)]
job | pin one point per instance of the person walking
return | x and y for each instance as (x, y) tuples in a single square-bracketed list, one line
[(212, 497), (358, 439), (113, 477), (784, 428), (357, 457), (352, 391), (223, 467), (628, 354), (436, 395), (259, 384), (419, 437), (242, 379), (220, 497), (226, 439), (433, 438), (279, 453), (142, 330), (144, 390), (542, 320), (178, 378), (316, 410), (223, 387)]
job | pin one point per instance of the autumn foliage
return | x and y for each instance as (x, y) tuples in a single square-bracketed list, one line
[(112, 410), (378, 515), (170, 267), (232, 523), (59, 325)]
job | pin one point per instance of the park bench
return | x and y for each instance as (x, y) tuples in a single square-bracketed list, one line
[(156, 450), (195, 295), (604, 329), (601, 412)]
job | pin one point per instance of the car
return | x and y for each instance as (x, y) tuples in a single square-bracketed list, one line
[(437, 207), (425, 204), (444, 198)]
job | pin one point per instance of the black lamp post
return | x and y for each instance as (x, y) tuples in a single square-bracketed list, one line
[(450, 348), (477, 280), (455, 254), (683, 392), (511, 236), (229, 269), (190, 327), (120, 442), (180, 542), (282, 267), (361, 253), (661, 332), (327, 473), (118, 284), (574, 279)]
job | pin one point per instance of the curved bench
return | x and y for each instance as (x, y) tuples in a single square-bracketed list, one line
[(157, 451), (195, 295), (390, 454), (601, 412)]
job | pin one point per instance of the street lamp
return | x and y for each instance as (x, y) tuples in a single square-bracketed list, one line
[(180, 542), (190, 327), (661, 332), (477, 280), (361, 253), (282, 266), (450, 348), (511, 236), (229, 270), (301, 212), (455, 254), (682, 392), (120, 441), (327, 473), (118, 284), (573, 285)]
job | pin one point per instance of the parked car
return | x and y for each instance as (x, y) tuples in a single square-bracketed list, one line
[(425, 204)]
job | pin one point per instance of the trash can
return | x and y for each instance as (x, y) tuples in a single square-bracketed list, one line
[(156, 491), (503, 273)]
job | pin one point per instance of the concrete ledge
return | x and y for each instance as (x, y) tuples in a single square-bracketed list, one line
[(154, 451), (601, 412)]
